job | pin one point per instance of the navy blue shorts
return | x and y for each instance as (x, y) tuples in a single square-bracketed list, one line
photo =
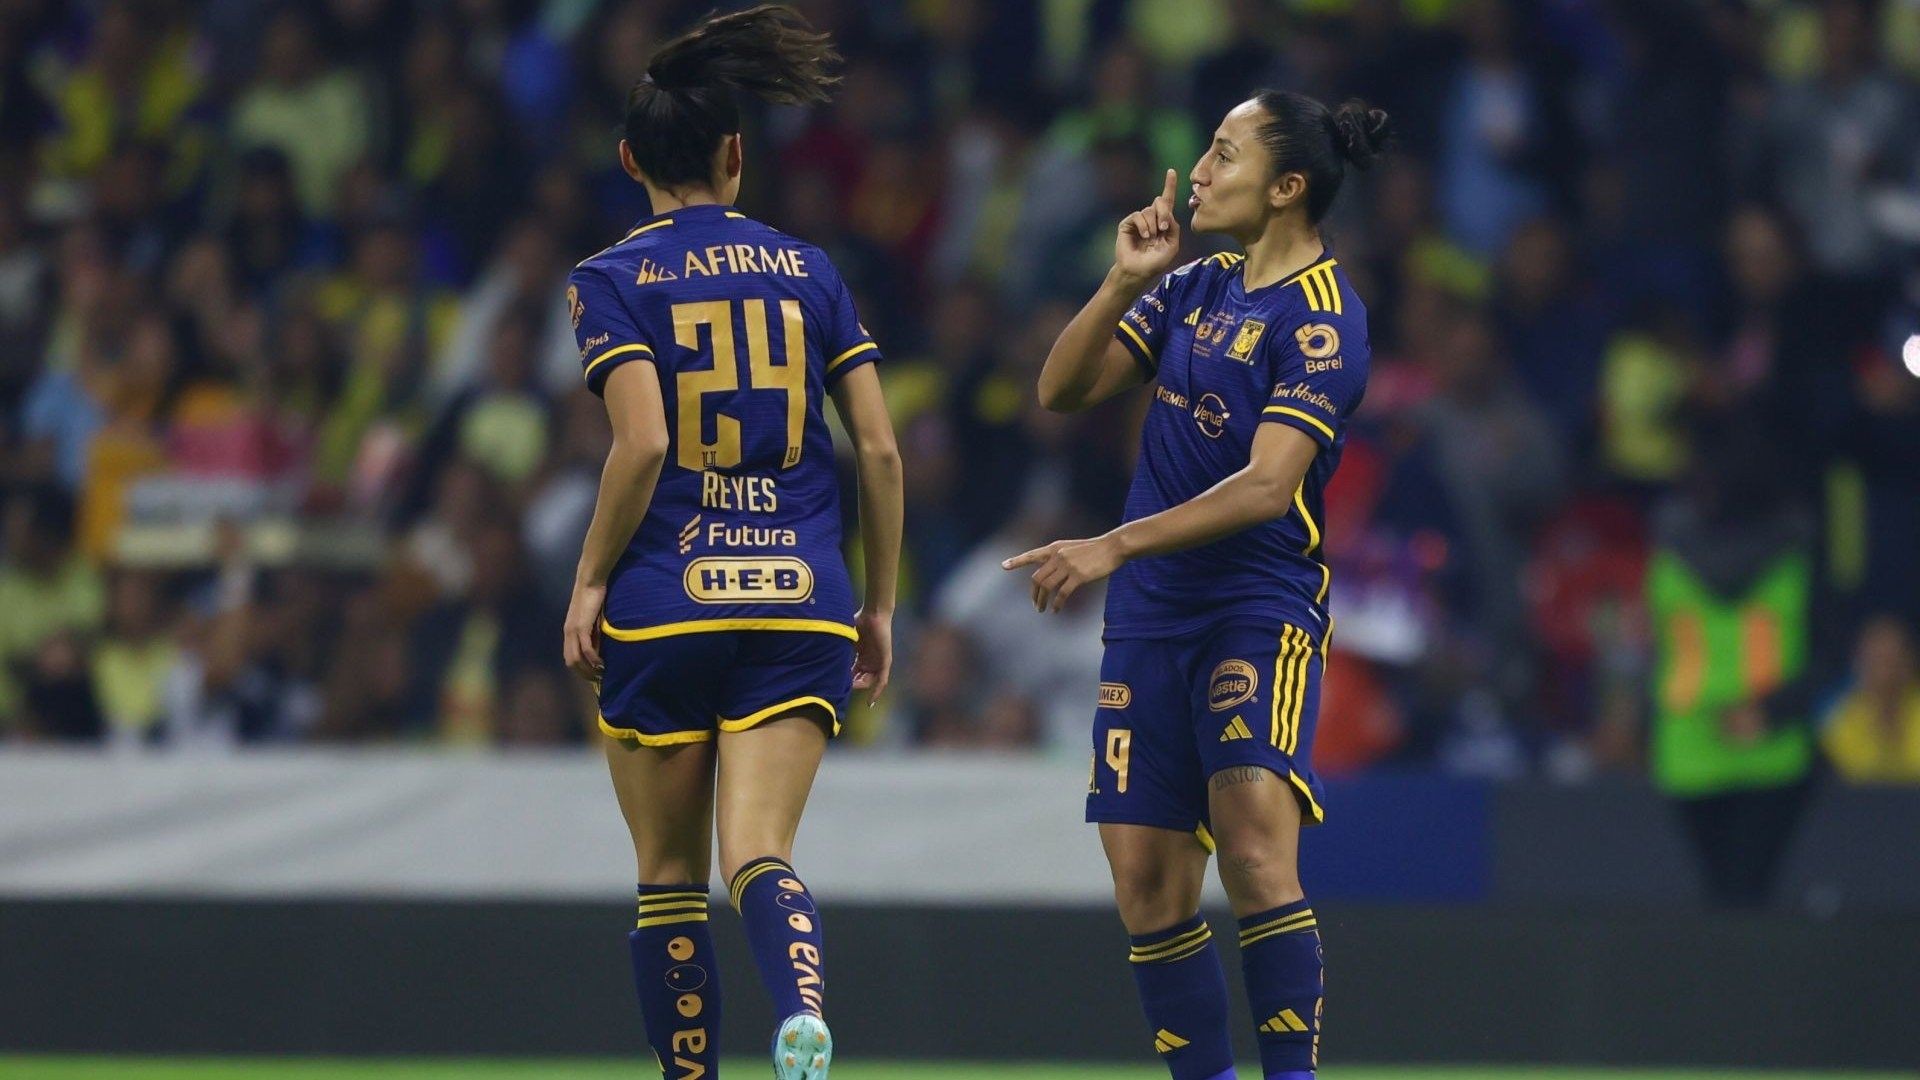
[(663, 691), (1174, 712)]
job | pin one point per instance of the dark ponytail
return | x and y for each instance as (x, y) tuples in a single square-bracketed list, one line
[(686, 103), (1304, 136)]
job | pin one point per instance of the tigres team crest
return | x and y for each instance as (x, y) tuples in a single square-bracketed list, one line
[(1246, 339), (575, 308), (1234, 682)]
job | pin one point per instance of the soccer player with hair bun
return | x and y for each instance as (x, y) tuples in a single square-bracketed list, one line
[(1216, 622), (711, 606)]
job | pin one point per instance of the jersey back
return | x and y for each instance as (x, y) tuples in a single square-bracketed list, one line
[(1223, 360), (747, 329)]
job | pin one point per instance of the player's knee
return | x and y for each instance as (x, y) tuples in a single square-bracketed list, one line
[(1152, 897), (1257, 867)]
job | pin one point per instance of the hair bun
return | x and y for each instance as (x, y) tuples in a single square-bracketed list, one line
[(666, 74), (1360, 132)]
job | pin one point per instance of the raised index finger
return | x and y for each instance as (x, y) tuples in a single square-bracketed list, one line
[(1025, 558), (1167, 192)]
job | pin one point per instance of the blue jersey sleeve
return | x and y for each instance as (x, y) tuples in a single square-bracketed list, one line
[(847, 343), (1318, 376), (602, 326), (1143, 329)]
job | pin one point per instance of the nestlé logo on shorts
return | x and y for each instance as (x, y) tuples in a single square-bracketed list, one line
[(1233, 682)]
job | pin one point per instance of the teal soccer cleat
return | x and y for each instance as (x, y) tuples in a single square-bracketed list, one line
[(802, 1048)]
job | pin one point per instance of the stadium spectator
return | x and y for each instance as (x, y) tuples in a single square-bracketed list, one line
[(52, 598), (1872, 734), (1730, 587)]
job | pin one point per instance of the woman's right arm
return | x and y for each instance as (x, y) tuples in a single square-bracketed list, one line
[(863, 409), (1087, 365)]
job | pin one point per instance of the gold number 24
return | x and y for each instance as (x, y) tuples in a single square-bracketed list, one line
[(696, 452)]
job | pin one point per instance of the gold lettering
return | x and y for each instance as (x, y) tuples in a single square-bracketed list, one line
[(801, 950), (696, 268), (743, 260)]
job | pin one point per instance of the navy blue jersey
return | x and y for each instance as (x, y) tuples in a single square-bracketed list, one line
[(1223, 361), (747, 329)]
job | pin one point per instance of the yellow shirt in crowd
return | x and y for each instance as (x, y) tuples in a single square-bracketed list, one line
[(1866, 748)]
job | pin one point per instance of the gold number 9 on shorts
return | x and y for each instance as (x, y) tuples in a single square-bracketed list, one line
[(1119, 749)]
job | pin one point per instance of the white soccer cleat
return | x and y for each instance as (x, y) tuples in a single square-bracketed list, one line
[(802, 1048)]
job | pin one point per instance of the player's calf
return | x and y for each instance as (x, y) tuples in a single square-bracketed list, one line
[(783, 930), (678, 980), (1183, 992), (1281, 960)]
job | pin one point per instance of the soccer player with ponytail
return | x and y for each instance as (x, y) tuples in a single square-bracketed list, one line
[(711, 607), (1217, 623)]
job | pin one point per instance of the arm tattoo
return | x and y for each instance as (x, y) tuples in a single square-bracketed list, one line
[(1238, 774)]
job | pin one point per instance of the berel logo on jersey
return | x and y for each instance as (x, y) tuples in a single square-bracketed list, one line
[(1245, 340), (651, 272), (1233, 682), (1317, 341), (777, 579)]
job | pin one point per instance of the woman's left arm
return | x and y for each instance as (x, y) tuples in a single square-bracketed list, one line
[(626, 488)]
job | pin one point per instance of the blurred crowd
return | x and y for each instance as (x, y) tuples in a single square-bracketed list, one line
[(295, 447)]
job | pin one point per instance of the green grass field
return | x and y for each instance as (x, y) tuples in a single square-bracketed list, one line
[(134, 1068)]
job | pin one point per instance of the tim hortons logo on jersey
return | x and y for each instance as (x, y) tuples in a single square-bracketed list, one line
[(1304, 393), (770, 579), (1233, 683), (1245, 340)]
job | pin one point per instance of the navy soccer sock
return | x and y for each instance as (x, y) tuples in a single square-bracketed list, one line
[(678, 980), (1280, 956), (1184, 994), (783, 930)]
